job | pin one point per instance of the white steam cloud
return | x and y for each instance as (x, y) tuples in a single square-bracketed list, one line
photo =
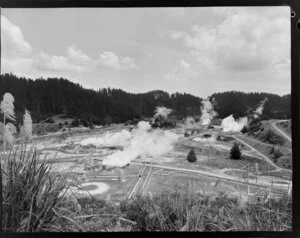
[(143, 143), (208, 112), (189, 122), (162, 111), (109, 139), (230, 124), (260, 108)]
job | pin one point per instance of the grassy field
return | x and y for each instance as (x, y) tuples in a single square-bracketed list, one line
[(276, 137), (215, 158), (185, 182), (178, 201), (281, 174), (286, 127), (285, 161)]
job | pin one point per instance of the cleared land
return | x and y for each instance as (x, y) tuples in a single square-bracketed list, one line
[(212, 173)]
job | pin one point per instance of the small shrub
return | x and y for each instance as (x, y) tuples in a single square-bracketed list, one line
[(191, 157), (235, 152), (91, 125), (277, 154), (272, 151), (271, 137), (75, 122), (85, 123), (244, 130), (186, 134)]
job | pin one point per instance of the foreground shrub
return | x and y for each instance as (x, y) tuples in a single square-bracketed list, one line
[(30, 193), (180, 210), (183, 211)]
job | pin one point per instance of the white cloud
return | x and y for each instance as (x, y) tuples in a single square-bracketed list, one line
[(76, 61), (25, 67), (110, 60), (181, 71), (76, 56), (47, 62), (13, 43), (245, 40), (17, 57)]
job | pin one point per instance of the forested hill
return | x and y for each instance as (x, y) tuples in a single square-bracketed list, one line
[(44, 98), (240, 104), (47, 97)]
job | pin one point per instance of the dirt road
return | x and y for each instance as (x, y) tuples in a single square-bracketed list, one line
[(262, 155), (285, 135)]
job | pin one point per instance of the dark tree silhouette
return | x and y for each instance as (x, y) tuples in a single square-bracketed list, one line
[(244, 129), (235, 152), (47, 97), (191, 157)]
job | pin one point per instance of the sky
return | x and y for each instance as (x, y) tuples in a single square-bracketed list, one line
[(193, 50)]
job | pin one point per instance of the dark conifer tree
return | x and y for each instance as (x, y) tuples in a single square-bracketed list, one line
[(191, 157), (235, 152)]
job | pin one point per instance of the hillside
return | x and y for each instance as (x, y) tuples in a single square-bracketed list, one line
[(240, 104), (52, 96)]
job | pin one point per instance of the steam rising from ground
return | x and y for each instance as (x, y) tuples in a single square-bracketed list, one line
[(260, 108), (162, 111), (109, 139), (208, 112), (230, 124), (189, 122), (143, 143)]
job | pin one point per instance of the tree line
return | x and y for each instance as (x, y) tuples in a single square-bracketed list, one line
[(241, 104), (52, 96)]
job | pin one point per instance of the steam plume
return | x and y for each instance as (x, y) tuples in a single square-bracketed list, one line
[(189, 121), (162, 111), (109, 139), (143, 143), (208, 112), (260, 108), (230, 124)]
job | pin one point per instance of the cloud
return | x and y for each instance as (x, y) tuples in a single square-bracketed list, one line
[(45, 62), (246, 39), (13, 43), (110, 60), (181, 71), (76, 61), (17, 57), (76, 56)]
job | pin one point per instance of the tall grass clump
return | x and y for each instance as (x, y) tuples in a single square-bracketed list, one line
[(182, 211), (31, 193)]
